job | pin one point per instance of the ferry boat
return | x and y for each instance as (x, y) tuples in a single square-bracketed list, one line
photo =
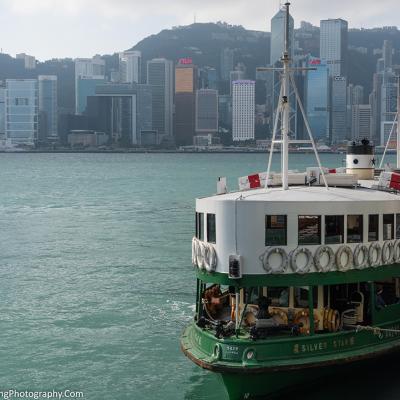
[(297, 272)]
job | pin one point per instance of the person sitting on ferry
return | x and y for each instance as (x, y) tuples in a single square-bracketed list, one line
[(264, 318), (379, 300)]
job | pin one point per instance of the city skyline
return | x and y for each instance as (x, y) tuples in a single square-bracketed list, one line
[(114, 26)]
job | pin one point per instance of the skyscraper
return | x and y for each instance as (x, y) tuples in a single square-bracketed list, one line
[(361, 122), (86, 69), (21, 111), (29, 61), (185, 89), (130, 63), (206, 111), (160, 76), (2, 112), (333, 45), (278, 28), (48, 105), (339, 132), (387, 54), (226, 64), (317, 99), (243, 110)]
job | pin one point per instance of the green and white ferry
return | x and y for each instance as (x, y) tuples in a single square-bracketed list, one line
[(296, 272)]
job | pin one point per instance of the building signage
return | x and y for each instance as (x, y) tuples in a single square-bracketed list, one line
[(186, 61)]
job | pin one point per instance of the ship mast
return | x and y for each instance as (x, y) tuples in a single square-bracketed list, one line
[(286, 104), (283, 112)]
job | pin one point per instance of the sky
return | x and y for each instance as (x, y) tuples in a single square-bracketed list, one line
[(81, 28)]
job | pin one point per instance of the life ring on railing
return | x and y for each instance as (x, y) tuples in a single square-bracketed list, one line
[(396, 251), (306, 268), (341, 266), (275, 269), (321, 251), (374, 248), (303, 317), (365, 256), (331, 320), (201, 254), (210, 259), (387, 252), (195, 243)]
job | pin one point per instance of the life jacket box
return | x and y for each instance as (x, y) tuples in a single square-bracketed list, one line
[(340, 180)]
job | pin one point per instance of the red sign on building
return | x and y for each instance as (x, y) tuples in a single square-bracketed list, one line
[(186, 61)]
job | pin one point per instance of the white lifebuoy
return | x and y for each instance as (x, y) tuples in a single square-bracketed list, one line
[(365, 256), (195, 243), (210, 259), (294, 260), (396, 251), (201, 250), (374, 248), (272, 269), (387, 252), (341, 266), (319, 254)]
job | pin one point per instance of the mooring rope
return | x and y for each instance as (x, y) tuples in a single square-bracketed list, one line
[(375, 330)]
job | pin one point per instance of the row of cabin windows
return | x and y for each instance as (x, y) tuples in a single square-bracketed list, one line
[(309, 229), (211, 227)]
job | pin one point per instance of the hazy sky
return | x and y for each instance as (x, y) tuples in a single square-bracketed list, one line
[(81, 28)]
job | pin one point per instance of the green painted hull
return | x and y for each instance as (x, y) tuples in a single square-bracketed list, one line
[(281, 363)]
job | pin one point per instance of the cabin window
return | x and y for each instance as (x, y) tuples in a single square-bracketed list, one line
[(200, 226), (309, 229), (275, 230), (334, 229), (354, 228), (211, 232), (397, 226), (373, 228), (388, 226)]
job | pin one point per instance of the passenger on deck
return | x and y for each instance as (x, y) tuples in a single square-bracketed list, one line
[(264, 318), (379, 300)]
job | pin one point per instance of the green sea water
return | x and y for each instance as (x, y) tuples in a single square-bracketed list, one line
[(96, 282)]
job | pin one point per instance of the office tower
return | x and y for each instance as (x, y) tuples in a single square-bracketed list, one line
[(208, 78), (338, 109), (206, 111), (243, 110), (237, 75), (29, 61), (130, 63), (387, 54), (48, 105), (2, 112), (278, 27), (21, 102), (317, 99), (375, 102), (355, 94), (226, 64), (380, 65), (160, 75), (333, 45), (122, 110), (389, 90), (225, 111), (361, 122), (185, 92), (87, 69)]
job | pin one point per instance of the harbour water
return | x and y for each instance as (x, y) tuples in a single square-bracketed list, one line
[(96, 282)]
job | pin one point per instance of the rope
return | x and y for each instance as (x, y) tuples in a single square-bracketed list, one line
[(375, 330)]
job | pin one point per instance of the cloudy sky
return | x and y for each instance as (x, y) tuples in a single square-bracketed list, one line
[(80, 28)]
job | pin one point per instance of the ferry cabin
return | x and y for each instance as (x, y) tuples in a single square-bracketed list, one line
[(319, 255)]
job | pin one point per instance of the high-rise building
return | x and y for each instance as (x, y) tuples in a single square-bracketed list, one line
[(48, 105), (85, 70), (208, 78), (237, 75), (389, 91), (2, 112), (226, 64), (333, 45), (29, 61), (355, 94), (361, 122), (278, 28), (160, 75), (225, 111), (21, 102), (206, 111), (185, 98), (339, 131), (130, 63), (243, 110), (317, 99), (387, 54)]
